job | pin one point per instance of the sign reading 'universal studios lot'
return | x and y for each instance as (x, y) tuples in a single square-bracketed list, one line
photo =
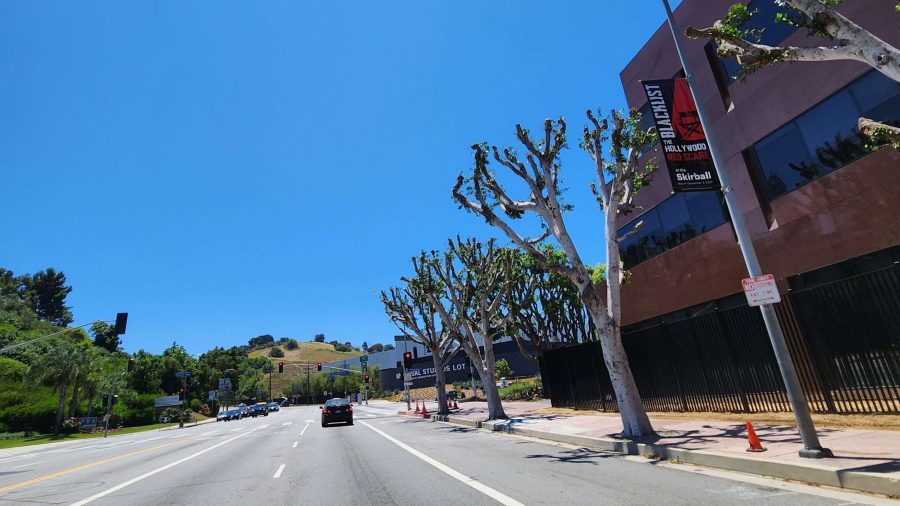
[(681, 135)]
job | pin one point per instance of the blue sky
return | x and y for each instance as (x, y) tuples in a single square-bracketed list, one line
[(222, 170)]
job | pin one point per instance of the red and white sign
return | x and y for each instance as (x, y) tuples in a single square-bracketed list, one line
[(761, 290)]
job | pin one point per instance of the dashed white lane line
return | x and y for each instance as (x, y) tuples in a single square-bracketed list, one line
[(263, 426), (28, 464), (155, 471), (305, 427), (287, 423), (295, 444), (278, 472), (179, 436), (477, 485)]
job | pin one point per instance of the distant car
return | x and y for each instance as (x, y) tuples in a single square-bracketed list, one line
[(337, 410), (259, 409), (222, 416), (273, 406), (285, 403), (165, 419)]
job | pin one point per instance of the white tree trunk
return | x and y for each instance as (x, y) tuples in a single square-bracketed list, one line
[(440, 383), (489, 381)]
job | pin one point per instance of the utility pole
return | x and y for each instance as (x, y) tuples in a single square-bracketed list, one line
[(270, 382), (308, 386), (812, 447)]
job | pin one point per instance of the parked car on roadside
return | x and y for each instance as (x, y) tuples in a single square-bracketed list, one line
[(273, 406)]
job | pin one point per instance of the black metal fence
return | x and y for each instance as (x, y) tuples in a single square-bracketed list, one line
[(844, 337)]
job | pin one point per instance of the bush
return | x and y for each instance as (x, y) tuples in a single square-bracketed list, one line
[(276, 352), (526, 390), (26, 406), (502, 368), (136, 409), (70, 426), (292, 344)]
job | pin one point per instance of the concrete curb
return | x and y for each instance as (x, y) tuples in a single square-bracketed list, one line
[(819, 475)]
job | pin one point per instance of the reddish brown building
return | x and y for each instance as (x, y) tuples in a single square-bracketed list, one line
[(811, 195)]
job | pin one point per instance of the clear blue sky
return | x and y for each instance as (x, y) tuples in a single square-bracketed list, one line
[(224, 170)]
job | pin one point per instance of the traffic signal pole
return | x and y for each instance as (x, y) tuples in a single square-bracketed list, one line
[(812, 447)]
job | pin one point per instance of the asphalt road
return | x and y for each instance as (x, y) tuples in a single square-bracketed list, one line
[(288, 458)]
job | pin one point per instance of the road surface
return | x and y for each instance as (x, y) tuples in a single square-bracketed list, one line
[(288, 458)]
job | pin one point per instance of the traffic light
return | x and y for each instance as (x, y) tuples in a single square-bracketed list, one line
[(121, 320), (366, 377), (407, 359), (280, 367), (319, 366), (181, 394)]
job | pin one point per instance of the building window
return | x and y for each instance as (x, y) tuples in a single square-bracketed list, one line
[(825, 137), (674, 221)]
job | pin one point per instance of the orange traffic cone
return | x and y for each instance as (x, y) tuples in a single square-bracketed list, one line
[(424, 411), (755, 445), (417, 406)]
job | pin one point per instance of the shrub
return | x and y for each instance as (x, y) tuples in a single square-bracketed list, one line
[(292, 344), (276, 352), (526, 390), (70, 426)]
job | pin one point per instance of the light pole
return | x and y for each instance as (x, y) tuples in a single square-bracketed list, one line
[(812, 447)]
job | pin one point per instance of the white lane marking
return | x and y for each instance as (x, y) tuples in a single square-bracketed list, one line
[(305, 427), (263, 426), (310, 421), (179, 436), (151, 439), (278, 472), (155, 471), (287, 423), (235, 430), (477, 485), (295, 444), (28, 464)]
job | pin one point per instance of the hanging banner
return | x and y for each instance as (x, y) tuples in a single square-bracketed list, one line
[(681, 135)]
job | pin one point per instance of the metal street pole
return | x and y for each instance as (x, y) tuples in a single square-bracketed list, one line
[(405, 386), (270, 382), (812, 447)]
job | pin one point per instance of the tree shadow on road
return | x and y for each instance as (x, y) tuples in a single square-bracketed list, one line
[(574, 456)]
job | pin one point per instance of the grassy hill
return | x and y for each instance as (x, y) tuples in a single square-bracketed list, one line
[(307, 352)]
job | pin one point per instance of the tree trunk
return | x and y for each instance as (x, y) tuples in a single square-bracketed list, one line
[(90, 401), (61, 407), (635, 422), (440, 383), (489, 382), (73, 403)]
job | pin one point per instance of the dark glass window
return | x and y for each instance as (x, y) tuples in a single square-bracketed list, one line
[(825, 137), (674, 221)]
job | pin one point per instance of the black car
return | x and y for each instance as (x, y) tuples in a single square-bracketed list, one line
[(259, 409), (337, 410)]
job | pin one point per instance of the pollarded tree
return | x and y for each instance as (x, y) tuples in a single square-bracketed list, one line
[(474, 281), (618, 179), (412, 311), (545, 306), (821, 19)]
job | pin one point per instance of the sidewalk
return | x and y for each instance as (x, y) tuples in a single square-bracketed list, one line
[(867, 460)]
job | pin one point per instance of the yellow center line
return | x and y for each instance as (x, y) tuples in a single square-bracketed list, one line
[(86, 466)]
